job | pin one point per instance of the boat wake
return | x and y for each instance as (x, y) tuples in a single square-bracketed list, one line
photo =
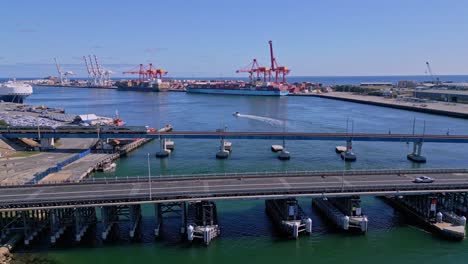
[(267, 120)]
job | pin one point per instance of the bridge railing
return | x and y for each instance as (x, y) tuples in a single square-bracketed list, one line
[(241, 175), (319, 173)]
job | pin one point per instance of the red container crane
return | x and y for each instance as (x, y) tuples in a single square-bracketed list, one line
[(254, 69), (280, 71), (146, 73)]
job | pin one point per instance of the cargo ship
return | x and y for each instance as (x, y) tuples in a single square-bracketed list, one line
[(13, 91), (156, 85), (263, 81), (239, 88)]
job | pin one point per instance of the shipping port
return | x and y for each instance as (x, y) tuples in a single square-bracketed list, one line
[(150, 79), (262, 81)]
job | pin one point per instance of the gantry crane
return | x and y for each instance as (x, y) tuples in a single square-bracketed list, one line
[(145, 74), (280, 71), (256, 72)]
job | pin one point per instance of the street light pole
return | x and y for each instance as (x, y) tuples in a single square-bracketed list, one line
[(149, 177)]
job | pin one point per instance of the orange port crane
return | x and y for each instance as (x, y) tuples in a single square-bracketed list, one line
[(280, 71), (155, 73), (145, 74), (254, 69)]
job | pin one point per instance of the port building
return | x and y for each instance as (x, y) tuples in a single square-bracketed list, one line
[(454, 96)]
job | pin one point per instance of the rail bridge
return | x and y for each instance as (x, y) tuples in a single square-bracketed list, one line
[(73, 133)]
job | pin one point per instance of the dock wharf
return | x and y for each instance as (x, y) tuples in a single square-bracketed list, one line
[(82, 168), (437, 108)]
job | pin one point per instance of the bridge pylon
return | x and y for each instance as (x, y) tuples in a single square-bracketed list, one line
[(416, 156), (164, 150), (348, 154)]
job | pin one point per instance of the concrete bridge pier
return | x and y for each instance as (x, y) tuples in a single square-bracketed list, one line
[(344, 212), (224, 149), (183, 215), (348, 154), (416, 156), (288, 216), (84, 218), (164, 150), (135, 219), (202, 221), (47, 143), (109, 217), (435, 212), (32, 223), (158, 218), (60, 220)]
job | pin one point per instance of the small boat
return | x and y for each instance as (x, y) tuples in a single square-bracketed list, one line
[(108, 166), (117, 121), (236, 114)]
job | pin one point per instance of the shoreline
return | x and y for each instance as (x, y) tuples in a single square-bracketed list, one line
[(436, 108)]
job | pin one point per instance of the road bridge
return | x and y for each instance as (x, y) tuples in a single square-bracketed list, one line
[(140, 190)]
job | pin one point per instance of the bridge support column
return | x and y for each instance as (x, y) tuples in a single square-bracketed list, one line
[(435, 211), (288, 216), (84, 217), (415, 156), (224, 149), (47, 143), (160, 209), (344, 212), (33, 223), (135, 217), (109, 217), (158, 218), (164, 151), (202, 221), (60, 220), (183, 214), (348, 154)]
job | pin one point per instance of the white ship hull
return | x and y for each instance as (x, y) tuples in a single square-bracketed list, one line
[(13, 91)]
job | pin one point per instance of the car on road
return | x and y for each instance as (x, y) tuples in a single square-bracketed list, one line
[(423, 179)]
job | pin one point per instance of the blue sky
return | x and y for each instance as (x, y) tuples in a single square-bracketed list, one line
[(215, 37)]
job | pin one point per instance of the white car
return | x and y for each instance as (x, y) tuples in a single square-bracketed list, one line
[(423, 179)]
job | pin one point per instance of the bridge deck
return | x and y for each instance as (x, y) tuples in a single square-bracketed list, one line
[(227, 187), (250, 135)]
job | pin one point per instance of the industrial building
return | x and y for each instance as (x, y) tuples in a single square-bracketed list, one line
[(454, 96)]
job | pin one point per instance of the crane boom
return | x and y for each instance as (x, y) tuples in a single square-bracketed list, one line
[(87, 66), (435, 80), (272, 57), (59, 70)]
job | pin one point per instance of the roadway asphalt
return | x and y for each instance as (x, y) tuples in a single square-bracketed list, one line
[(224, 188), (22, 169)]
